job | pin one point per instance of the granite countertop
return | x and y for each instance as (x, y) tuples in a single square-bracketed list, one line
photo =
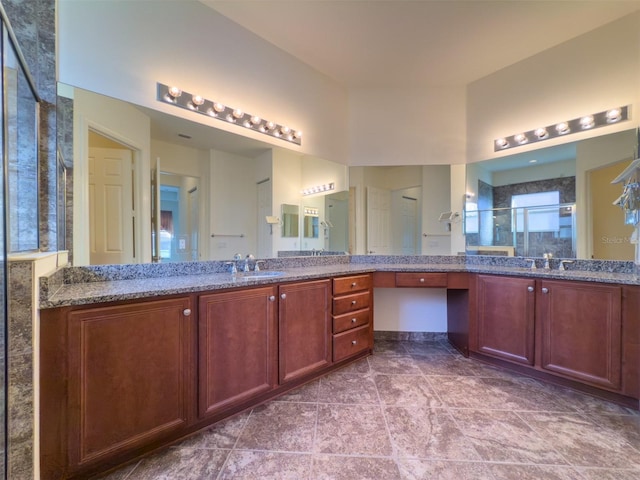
[(84, 292)]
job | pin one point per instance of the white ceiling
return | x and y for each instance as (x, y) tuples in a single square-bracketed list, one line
[(400, 43)]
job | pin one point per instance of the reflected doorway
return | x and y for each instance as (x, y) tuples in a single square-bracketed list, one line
[(111, 201), (609, 233)]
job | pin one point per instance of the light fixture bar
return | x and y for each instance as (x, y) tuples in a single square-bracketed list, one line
[(198, 104), (327, 187), (581, 124)]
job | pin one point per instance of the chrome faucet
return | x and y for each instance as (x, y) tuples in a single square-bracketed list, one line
[(257, 267), (533, 263), (246, 268), (547, 257), (562, 267), (234, 269)]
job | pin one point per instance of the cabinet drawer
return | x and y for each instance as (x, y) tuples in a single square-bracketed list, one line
[(350, 320), (356, 283), (417, 279), (351, 342), (350, 303)]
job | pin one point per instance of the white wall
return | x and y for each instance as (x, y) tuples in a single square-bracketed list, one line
[(287, 177), (410, 309), (591, 73), (436, 188), (122, 48), (407, 126)]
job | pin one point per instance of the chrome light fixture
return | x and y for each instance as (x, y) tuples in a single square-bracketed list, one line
[(327, 187), (198, 104), (586, 122)]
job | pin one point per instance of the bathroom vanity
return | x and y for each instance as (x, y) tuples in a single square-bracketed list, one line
[(130, 365)]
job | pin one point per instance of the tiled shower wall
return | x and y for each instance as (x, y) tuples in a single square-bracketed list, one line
[(33, 22)]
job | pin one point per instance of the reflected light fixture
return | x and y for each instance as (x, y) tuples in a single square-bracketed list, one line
[(327, 187), (580, 124), (198, 104)]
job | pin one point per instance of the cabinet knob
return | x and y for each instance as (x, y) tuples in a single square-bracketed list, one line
[(353, 342), (283, 296), (529, 288), (354, 284), (353, 320), (272, 298), (422, 280), (186, 312), (353, 302), (545, 290)]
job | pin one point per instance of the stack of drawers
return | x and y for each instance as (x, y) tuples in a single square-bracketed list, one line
[(352, 317)]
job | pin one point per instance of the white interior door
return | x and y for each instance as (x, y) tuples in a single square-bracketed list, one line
[(194, 223), (111, 212), (408, 225), (378, 221)]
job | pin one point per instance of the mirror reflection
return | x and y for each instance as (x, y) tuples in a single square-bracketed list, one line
[(290, 219), (213, 191), (556, 200), (311, 222)]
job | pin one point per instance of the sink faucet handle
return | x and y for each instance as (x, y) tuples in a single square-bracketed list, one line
[(234, 269), (562, 267), (533, 262), (237, 256), (257, 267)]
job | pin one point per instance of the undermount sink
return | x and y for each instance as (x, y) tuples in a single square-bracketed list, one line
[(261, 274)]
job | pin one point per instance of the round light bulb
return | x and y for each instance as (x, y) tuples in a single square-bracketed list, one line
[(270, 125), (541, 133), (502, 143), (562, 128), (285, 130), (521, 138), (237, 113), (175, 92), (614, 115), (297, 134), (587, 121), (218, 107), (255, 120), (197, 100)]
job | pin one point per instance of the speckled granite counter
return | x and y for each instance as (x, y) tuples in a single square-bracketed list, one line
[(97, 284)]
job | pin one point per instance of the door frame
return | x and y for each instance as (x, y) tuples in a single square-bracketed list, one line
[(141, 202)]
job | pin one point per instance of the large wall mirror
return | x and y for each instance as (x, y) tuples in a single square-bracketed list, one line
[(148, 186), (556, 200)]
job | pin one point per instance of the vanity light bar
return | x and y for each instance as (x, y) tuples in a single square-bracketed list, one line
[(327, 187), (313, 212), (198, 104), (588, 122)]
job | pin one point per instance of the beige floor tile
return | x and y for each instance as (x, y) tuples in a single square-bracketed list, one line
[(352, 430), (180, 464), (532, 472), (406, 390), (417, 469), (394, 364), (347, 388), (260, 465), (326, 467), (306, 394), (223, 434)]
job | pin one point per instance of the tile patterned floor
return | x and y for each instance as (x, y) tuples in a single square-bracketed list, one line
[(413, 410)]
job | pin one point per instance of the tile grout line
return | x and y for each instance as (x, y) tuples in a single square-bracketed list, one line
[(235, 444)]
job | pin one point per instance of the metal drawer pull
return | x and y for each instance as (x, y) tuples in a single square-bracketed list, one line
[(422, 280), (354, 284), (272, 298), (353, 342), (529, 288), (353, 302), (545, 290), (186, 312), (283, 296), (353, 320)]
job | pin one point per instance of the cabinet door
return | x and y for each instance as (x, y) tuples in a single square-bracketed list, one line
[(505, 325), (305, 328), (580, 333), (238, 341), (129, 369)]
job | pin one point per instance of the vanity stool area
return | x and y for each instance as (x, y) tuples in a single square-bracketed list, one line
[(131, 365)]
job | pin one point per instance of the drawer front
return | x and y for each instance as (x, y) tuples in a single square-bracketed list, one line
[(356, 283), (350, 320), (351, 303), (417, 279), (351, 342)]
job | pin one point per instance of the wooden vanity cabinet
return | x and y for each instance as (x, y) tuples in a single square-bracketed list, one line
[(352, 319), (238, 347), (580, 331), (505, 325), (304, 320), (114, 380)]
